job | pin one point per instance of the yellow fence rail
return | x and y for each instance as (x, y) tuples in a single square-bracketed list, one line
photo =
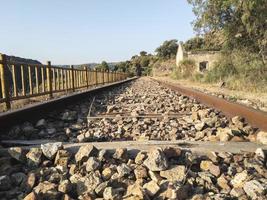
[(39, 80)]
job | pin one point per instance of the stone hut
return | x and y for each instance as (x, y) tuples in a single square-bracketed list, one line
[(204, 60)]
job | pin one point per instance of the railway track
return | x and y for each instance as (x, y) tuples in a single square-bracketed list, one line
[(136, 140)]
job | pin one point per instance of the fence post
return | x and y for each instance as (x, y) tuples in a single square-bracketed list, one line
[(49, 79), (87, 77), (96, 77), (108, 75), (5, 81), (103, 76), (72, 78)]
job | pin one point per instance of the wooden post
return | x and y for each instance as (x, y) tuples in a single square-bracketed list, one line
[(49, 79), (86, 76), (103, 76), (4, 81), (108, 76), (23, 80), (14, 77), (96, 77), (72, 78), (43, 79), (37, 80)]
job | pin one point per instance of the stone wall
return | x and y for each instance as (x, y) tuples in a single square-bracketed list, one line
[(204, 60)]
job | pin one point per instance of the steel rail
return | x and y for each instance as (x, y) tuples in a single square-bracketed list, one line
[(256, 118), (38, 110)]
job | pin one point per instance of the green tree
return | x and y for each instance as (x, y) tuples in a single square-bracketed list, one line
[(103, 66), (167, 50), (242, 23)]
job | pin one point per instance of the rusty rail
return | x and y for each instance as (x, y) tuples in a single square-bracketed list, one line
[(256, 118), (39, 80)]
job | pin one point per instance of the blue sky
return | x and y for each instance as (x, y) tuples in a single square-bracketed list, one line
[(82, 31)]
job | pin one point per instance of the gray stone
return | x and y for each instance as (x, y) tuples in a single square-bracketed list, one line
[(41, 123), (239, 179), (18, 153), (262, 137), (47, 190), (156, 160), (110, 194), (85, 152), (50, 149), (254, 189), (152, 188), (19, 178), (34, 157), (5, 183), (92, 164), (174, 173), (123, 170)]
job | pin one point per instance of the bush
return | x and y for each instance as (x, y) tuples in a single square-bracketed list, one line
[(185, 69), (240, 70)]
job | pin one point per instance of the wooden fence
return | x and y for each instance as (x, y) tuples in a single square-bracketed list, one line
[(38, 80)]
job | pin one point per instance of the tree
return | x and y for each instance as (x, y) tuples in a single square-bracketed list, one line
[(103, 66), (167, 50), (242, 23), (143, 53)]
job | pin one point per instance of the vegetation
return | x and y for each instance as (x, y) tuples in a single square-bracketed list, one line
[(167, 50), (238, 24), (238, 29)]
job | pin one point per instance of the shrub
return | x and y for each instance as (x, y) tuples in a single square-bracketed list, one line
[(185, 69)]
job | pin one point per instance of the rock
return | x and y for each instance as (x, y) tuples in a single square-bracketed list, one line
[(50, 149), (65, 186), (200, 126), (209, 166), (5, 183), (140, 172), (237, 192), (140, 157), (262, 137), (239, 179), (28, 129), (120, 154), (41, 123), (156, 160), (224, 134), (237, 120), (69, 116), (31, 196), (254, 189), (18, 178), (136, 190), (47, 190), (86, 184), (107, 173), (123, 170), (101, 187), (174, 173), (172, 152), (110, 193), (154, 176), (223, 183), (85, 152), (30, 182), (62, 158), (34, 157), (18, 153), (92, 164), (152, 188)]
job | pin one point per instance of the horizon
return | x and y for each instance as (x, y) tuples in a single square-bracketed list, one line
[(91, 31)]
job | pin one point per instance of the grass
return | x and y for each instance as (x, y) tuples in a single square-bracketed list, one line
[(239, 70)]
